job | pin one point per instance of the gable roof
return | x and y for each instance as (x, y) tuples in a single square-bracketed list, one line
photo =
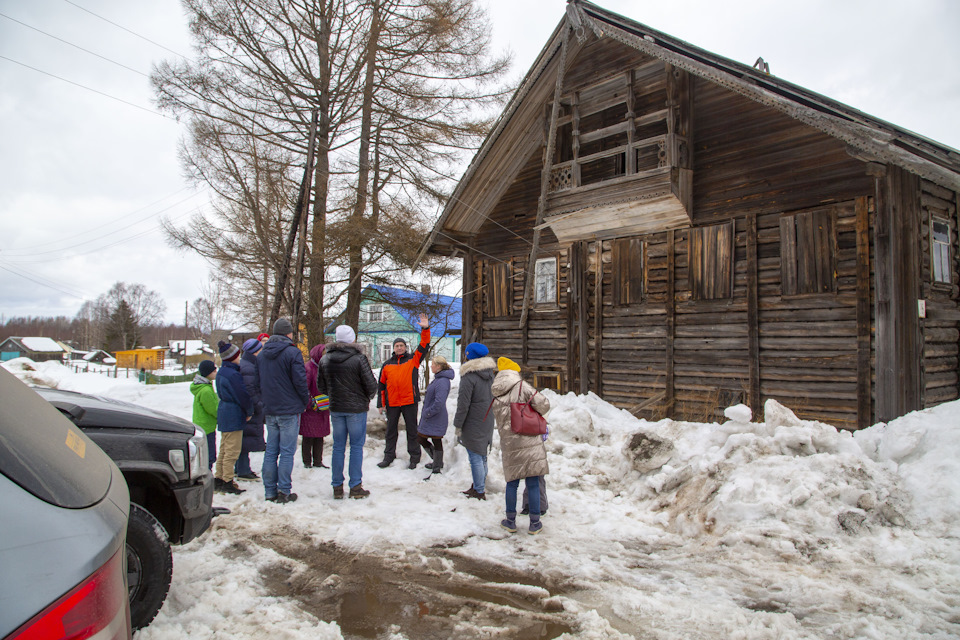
[(409, 304), (868, 138), (35, 344)]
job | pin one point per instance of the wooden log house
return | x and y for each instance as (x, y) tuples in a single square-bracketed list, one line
[(677, 232)]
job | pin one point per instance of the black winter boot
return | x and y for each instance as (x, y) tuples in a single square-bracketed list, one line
[(437, 465), (430, 453)]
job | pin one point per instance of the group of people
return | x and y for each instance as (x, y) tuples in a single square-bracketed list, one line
[(267, 383)]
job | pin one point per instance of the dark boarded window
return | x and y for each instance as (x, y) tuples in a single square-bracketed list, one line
[(628, 274), (710, 256), (499, 289), (808, 253), (940, 250)]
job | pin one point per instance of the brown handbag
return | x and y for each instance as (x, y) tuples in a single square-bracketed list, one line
[(524, 419)]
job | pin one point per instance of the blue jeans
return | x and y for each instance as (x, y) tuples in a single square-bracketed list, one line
[(282, 434), (478, 468), (242, 467), (211, 448), (533, 489), (342, 426)]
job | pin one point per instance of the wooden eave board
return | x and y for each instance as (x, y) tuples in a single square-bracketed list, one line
[(652, 215)]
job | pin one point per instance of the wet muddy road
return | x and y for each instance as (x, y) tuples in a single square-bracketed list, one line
[(436, 593)]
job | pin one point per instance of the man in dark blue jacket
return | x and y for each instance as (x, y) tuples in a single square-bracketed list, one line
[(285, 395), (233, 412)]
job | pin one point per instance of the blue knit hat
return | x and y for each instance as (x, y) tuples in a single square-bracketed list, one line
[(476, 350), (227, 351), (252, 345)]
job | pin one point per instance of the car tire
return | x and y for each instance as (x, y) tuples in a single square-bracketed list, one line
[(149, 566)]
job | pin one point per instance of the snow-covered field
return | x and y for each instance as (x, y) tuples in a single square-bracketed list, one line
[(762, 527)]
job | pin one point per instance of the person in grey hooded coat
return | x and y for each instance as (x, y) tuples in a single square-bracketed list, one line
[(474, 421)]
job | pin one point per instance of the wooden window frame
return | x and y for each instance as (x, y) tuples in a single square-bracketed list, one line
[(549, 380), (381, 311), (948, 245), (808, 253), (499, 292), (628, 255), (552, 304), (712, 261)]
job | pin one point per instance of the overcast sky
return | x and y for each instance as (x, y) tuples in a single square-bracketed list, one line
[(88, 167)]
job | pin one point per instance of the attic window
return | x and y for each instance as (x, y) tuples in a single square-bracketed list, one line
[(375, 313)]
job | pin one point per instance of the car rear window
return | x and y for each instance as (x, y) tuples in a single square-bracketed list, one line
[(45, 453)]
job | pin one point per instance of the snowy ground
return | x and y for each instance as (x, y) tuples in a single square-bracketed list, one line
[(779, 528)]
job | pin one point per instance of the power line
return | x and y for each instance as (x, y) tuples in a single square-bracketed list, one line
[(119, 26), (30, 253), (77, 84), (119, 64), (109, 222), (34, 280), (63, 255)]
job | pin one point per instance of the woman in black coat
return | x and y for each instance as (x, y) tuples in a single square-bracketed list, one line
[(253, 430)]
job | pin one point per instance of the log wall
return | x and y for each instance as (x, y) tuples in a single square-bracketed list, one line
[(673, 355)]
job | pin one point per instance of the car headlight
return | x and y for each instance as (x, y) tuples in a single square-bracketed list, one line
[(197, 448)]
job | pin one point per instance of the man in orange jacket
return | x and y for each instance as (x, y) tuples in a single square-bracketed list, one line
[(399, 394)]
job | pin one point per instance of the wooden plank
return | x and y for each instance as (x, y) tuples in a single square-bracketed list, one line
[(864, 406), (583, 310), (545, 174), (598, 316), (788, 255), (753, 319), (570, 345), (669, 399), (469, 298)]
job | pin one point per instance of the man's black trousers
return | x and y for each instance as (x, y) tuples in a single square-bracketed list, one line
[(409, 413)]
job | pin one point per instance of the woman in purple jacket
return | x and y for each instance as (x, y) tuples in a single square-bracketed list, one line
[(434, 418), (314, 424)]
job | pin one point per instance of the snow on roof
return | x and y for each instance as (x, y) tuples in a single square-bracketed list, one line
[(193, 347), (41, 345)]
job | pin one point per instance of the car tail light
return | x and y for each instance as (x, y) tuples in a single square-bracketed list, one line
[(96, 608)]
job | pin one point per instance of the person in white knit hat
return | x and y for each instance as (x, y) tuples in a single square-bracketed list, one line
[(346, 377)]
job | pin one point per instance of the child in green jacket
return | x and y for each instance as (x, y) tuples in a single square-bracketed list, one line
[(205, 402)]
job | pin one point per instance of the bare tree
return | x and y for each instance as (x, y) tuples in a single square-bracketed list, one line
[(396, 84)]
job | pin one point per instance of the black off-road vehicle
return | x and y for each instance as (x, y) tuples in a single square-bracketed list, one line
[(164, 461)]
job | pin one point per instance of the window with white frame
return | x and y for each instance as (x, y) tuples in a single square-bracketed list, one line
[(386, 351), (545, 281), (940, 248), (375, 313)]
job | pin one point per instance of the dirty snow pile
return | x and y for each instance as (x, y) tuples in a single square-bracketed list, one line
[(758, 527)]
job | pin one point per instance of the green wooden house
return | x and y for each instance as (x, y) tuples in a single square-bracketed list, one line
[(388, 313)]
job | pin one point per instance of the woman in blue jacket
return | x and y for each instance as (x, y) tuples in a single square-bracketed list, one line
[(434, 418), (233, 412)]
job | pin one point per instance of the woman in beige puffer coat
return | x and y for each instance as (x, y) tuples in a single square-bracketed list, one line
[(524, 457)]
